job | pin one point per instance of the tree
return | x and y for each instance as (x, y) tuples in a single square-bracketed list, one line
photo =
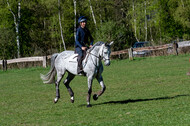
[(135, 21), (59, 13), (75, 23), (40, 23), (181, 15), (94, 19), (17, 24)]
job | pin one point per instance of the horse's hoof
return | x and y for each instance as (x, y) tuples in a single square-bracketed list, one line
[(55, 100), (72, 101), (95, 97), (88, 106)]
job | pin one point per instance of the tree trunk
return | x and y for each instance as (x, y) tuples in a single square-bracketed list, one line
[(92, 13), (182, 3), (151, 29), (135, 25), (59, 13), (100, 11), (145, 22), (17, 23), (160, 29), (75, 25)]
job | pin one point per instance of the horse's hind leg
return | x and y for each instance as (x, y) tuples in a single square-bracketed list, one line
[(101, 82), (57, 82), (66, 82)]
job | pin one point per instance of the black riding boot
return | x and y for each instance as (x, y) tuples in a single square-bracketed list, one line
[(80, 67)]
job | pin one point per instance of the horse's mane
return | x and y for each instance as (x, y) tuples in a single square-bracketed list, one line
[(96, 44)]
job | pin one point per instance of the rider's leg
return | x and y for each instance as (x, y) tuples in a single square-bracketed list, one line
[(80, 57)]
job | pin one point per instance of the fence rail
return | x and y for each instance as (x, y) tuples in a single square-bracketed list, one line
[(166, 49), (151, 48), (26, 59), (44, 59)]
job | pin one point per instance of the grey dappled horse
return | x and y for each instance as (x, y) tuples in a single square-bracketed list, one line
[(92, 67)]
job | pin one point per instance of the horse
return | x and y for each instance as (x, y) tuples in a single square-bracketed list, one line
[(66, 61)]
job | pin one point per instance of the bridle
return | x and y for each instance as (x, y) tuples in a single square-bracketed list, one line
[(91, 54), (99, 57)]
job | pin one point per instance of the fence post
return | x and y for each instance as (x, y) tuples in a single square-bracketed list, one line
[(119, 56), (175, 46), (44, 61), (4, 65), (188, 73), (130, 51)]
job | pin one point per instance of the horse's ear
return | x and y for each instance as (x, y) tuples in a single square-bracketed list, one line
[(106, 44), (111, 43)]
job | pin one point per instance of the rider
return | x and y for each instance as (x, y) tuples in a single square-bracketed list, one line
[(82, 36)]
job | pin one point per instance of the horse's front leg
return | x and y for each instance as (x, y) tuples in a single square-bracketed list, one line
[(90, 79), (101, 82)]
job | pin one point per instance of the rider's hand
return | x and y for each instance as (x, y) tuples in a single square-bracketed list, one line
[(84, 48), (90, 46)]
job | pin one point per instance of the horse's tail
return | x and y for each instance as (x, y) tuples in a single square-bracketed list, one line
[(49, 78)]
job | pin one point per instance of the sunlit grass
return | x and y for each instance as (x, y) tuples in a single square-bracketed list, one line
[(146, 91)]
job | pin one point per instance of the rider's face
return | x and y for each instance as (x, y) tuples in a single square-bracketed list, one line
[(83, 24)]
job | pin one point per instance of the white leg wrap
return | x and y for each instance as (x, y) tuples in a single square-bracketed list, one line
[(56, 99), (102, 84), (72, 98)]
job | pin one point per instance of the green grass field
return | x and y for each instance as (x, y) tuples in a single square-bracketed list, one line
[(144, 92)]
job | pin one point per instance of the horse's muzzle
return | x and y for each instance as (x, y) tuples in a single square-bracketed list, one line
[(107, 62)]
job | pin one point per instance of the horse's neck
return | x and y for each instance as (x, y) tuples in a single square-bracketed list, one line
[(96, 50), (95, 54)]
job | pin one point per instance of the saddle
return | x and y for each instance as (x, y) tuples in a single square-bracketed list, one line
[(74, 57)]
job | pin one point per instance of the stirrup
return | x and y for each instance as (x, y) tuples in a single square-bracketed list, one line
[(80, 71)]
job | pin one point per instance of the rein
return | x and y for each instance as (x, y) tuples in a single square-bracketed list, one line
[(89, 52), (98, 56)]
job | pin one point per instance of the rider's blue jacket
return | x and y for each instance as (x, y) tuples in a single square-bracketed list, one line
[(82, 36)]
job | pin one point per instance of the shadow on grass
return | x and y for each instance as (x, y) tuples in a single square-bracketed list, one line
[(140, 100)]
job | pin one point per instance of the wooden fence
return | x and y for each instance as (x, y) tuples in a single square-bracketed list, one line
[(43, 60), (184, 47), (167, 49), (129, 53)]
